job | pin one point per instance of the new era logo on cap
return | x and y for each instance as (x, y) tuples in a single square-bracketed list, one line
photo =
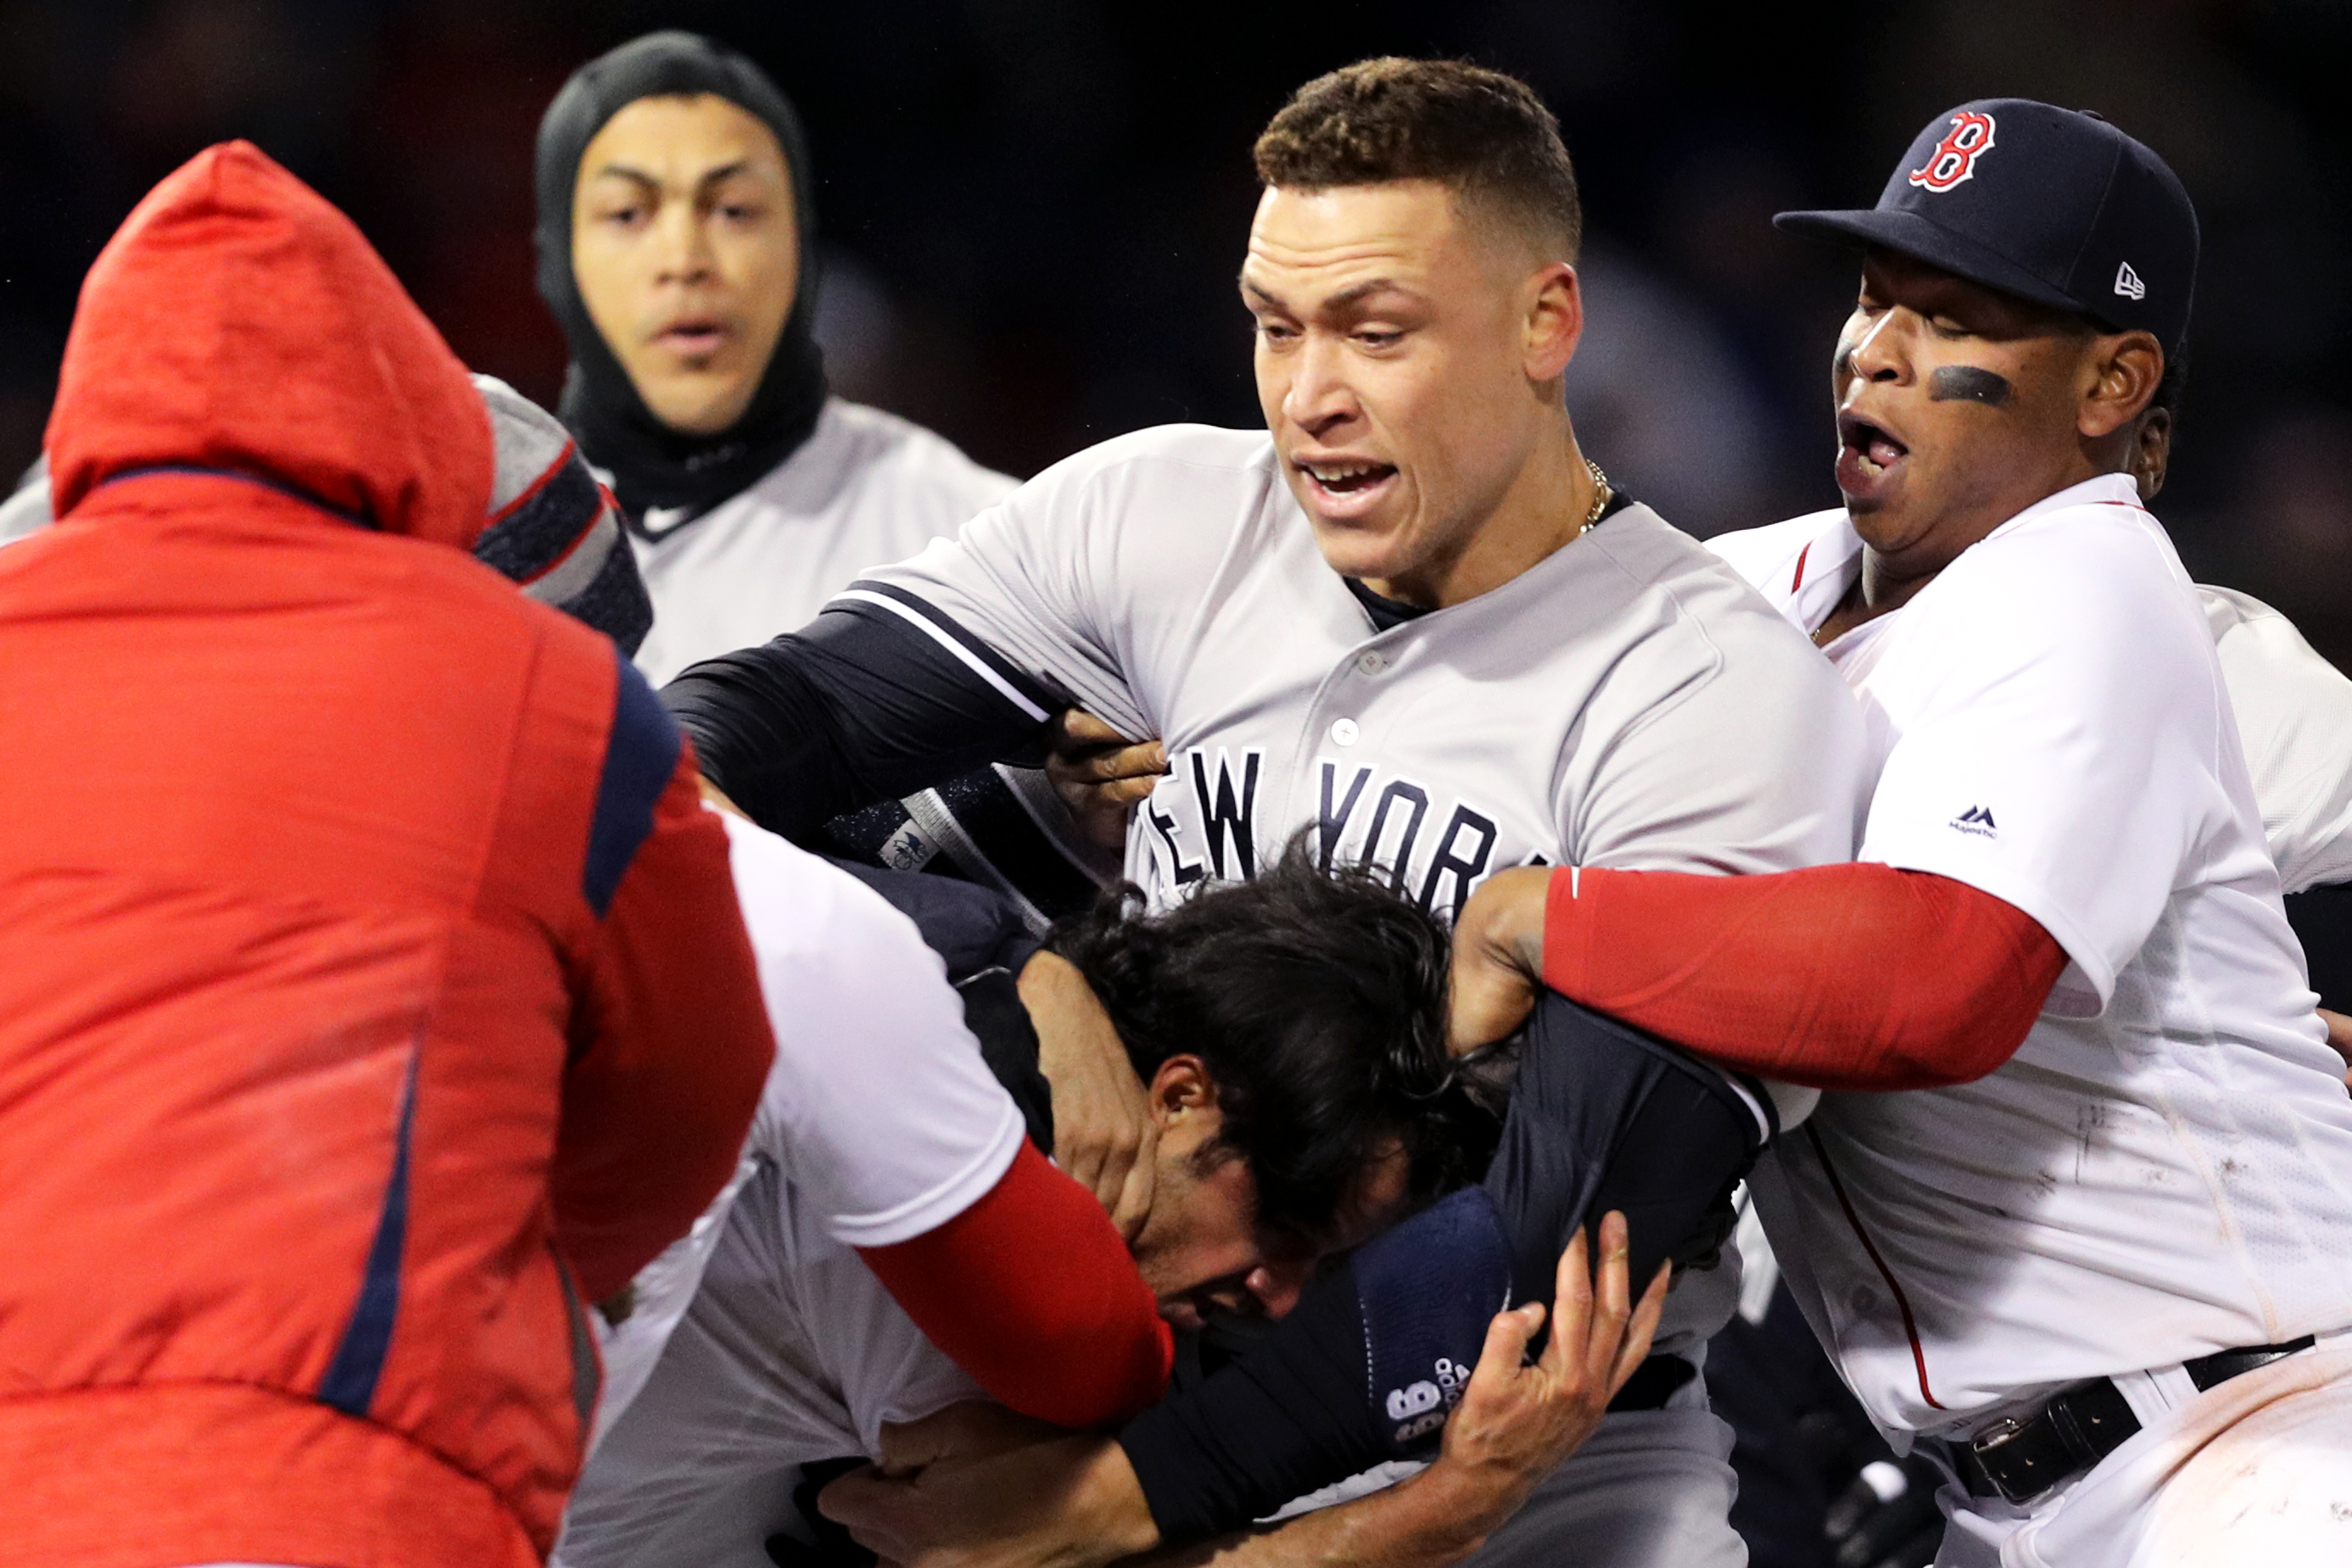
[(2127, 283)]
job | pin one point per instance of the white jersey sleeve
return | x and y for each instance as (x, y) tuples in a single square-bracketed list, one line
[(2293, 712), (1084, 577), (2061, 744), (879, 1109)]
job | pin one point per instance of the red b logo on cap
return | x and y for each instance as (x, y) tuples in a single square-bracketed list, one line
[(1955, 157)]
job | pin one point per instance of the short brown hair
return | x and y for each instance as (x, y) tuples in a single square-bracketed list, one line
[(1485, 135)]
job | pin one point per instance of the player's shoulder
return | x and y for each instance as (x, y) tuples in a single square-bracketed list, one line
[(2259, 646), (2088, 564), (800, 908), (1766, 557), (912, 454), (1714, 615), (2098, 526), (1713, 597), (1211, 446), (2234, 613), (1169, 465)]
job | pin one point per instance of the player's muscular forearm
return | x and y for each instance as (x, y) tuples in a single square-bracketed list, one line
[(1844, 977)]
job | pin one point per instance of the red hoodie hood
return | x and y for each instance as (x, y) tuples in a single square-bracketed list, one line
[(238, 321)]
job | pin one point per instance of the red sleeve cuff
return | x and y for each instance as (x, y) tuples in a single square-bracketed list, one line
[(1031, 1290)]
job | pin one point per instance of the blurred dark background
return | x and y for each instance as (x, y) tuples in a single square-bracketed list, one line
[(1032, 210)]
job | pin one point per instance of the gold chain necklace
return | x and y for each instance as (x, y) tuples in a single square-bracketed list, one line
[(1601, 495)]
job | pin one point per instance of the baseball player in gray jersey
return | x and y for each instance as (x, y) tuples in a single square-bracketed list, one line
[(1410, 617)]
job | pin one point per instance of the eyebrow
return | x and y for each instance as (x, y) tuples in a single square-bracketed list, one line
[(630, 172), (1339, 301)]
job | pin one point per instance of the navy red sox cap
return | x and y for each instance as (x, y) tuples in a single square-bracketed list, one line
[(2051, 204)]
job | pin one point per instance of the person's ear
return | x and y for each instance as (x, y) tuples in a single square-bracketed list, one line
[(1554, 322), (1181, 1087), (2151, 452), (2125, 371)]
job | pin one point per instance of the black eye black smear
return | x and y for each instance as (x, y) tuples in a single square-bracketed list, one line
[(1967, 382)]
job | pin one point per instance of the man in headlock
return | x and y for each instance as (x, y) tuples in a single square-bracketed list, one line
[(1292, 1030)]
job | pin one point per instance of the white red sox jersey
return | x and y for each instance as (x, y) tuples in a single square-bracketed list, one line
[(2164, 1169), (866, 487), (1626, 702), (880, 1122), (786, 1351), (2294, 719)]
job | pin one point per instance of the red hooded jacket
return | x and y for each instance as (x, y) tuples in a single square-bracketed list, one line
[(372, 973)]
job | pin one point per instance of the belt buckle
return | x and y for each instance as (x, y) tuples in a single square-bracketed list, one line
[(1988, 1444), (1994, 1435)]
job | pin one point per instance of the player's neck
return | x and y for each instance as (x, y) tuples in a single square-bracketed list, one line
[(1544, 509), (1894, 569)]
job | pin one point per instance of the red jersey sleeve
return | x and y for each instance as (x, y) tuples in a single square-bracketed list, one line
[(1838, 977), (1030, 1292)]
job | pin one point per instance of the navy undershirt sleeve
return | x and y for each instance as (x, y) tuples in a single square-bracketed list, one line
[(859, 706)]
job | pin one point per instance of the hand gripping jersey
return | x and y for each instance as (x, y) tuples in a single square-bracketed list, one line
[(1626, 702), (2164, 1169)]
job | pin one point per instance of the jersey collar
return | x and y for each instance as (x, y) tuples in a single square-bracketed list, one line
[(2107, 489), (1824, 571)]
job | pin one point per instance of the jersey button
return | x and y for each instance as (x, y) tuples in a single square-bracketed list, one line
[(1373, 661), (1343, 731)]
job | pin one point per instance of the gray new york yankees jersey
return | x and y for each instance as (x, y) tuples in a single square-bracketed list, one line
[(1629, 702)]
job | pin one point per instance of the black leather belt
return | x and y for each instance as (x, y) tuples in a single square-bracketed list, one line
[(2019, 1459)]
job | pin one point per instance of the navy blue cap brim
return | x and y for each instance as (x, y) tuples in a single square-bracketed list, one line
[(1926, 240)]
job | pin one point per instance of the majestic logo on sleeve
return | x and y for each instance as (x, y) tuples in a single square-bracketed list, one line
[(1976, 820), (1955, 157)]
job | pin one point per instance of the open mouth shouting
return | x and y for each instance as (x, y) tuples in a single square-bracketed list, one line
[(693, 337), (1868, 455), (1346, 486)]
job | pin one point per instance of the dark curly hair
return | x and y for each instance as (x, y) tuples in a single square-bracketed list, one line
[(1316, 1000)]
